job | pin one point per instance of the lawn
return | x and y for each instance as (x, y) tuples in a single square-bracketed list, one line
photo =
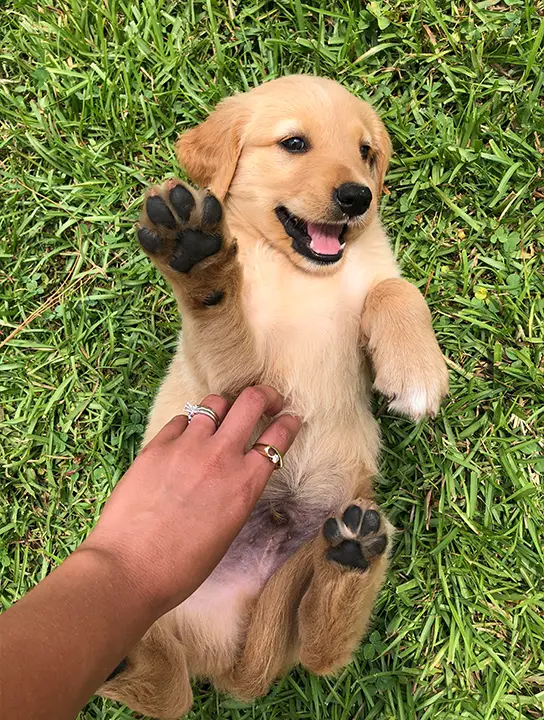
[(92, 96)]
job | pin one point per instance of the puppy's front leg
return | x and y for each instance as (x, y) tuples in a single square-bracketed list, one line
[(408, 364), (183, 231)]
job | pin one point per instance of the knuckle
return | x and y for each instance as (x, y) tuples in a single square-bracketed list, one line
[(283, 433), (255, 396), (213, 400)]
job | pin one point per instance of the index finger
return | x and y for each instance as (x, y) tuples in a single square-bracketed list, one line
[(241, 420)]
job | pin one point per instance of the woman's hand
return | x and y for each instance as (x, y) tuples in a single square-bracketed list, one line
[(189, 492), (166, 526)]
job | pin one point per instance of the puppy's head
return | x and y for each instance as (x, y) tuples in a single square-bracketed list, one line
[(300, 159)]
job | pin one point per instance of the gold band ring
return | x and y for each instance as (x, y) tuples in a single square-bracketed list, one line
[(270, 452)]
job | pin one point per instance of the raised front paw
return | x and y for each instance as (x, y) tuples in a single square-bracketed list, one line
[(181, 227), (357, 538), (413, 385)]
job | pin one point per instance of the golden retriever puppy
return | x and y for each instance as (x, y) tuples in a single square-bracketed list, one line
[(284, 275)]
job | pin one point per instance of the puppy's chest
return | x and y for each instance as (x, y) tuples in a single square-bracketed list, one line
[(306, 327)]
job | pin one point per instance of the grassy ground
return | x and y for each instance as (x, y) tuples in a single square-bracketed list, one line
[(92, 96)]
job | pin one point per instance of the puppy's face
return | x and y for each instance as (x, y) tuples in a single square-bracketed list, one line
[(302, 161)]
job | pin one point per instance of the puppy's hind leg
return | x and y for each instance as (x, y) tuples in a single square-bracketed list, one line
[(350, 561), (153, 679), (316, 607), (271, 642)]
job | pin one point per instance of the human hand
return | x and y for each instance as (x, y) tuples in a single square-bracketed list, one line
[(173, 515)]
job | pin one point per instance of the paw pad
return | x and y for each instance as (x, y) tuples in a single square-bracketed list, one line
[(356, 538), (182, 201), (181, 226), (159, 213)]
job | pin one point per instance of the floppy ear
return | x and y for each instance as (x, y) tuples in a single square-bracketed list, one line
[(209, 152)]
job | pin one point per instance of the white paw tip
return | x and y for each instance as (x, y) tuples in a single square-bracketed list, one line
[(414, 403)]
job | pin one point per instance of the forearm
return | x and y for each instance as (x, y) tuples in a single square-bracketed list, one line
[(61, 641), (394, 301), (168, 523), (397, 333)]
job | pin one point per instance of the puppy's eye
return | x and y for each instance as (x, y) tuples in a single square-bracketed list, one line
[(295, 144), (365, 150)]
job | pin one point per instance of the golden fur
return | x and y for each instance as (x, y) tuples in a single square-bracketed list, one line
[(321, 335)]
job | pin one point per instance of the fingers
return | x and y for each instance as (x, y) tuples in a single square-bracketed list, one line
[(203, 426), (171, 431), (280, 434), (247, 410)]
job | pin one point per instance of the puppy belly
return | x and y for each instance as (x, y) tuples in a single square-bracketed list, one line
[(275, 530), (214, 615)]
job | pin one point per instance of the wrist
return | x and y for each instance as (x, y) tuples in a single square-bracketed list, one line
[(114, 575)]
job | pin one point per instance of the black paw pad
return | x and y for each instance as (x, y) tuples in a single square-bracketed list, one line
[(371, 522), (331, 530), (211, 210), (352, 518), (159, 213), (348, 553), (148, 240), (354, 539), (193, 246), (182, 201), (376, 546)]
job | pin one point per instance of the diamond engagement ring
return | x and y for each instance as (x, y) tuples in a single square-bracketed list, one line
[(270, 452), (191, 410)]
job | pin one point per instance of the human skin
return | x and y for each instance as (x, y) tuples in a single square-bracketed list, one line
[(167, 524)]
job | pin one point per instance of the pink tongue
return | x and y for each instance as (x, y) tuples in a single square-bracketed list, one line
[(325, 238)]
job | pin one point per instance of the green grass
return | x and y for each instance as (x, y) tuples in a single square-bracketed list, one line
[(92, 96)]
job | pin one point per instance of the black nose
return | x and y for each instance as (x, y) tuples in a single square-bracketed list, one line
[(352, 199)]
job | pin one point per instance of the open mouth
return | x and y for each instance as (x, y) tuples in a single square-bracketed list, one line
[(319, 242)]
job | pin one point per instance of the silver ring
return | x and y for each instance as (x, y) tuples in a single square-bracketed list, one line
[(191, 410), (270, 452)]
